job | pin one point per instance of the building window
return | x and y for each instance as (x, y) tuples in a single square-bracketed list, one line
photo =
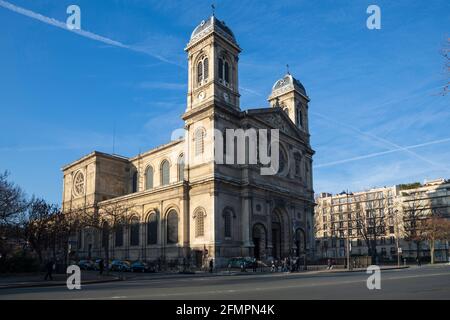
[(149, 178), (227, 215), (165, 174), (134, 232), (300, 116), (202, 71), (224, 71), (181, 167), (78, 184), (119, 236), (199, 223), (199, 141), (134, 186), (152, 229), (172, 227)]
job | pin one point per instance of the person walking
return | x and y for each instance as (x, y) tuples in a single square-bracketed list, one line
[(101, 266), (211, 266), (254, 264), (49, 267)]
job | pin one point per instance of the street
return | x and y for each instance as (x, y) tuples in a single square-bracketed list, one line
[(427, 282)]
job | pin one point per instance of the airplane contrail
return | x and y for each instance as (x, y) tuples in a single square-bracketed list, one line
[(390, 144), (83, 33), (376, 154)]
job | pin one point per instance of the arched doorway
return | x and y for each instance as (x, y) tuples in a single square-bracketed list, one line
[(276, 235), (259, 241)]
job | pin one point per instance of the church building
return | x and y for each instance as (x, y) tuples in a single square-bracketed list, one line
[(185, 205)]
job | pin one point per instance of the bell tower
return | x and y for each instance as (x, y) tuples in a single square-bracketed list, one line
[(290, 95), (212, 66)]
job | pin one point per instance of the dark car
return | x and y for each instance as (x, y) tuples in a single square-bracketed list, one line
[(239, 262), (86, 265), (120, 265), (140, 266)]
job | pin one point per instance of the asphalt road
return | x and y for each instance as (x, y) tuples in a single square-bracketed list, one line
[(427, 282)]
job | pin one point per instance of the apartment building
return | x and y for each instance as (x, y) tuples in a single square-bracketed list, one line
[(378, 220)]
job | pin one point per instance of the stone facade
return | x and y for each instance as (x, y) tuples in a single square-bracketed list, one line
[(336, 218), (183, 203)]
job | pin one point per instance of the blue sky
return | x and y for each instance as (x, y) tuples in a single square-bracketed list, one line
[(376, 116)]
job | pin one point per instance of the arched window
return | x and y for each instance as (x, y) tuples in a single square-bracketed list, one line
[(181, 167), (105, 235), (199, 217), (202, 70), (299, 116), (119, 235), (199, 141), (134, 186), (227, 215), (199, 72), (149, 178), (152, 229), (172, 227), (134, 231), (224, 70), (165, 174)]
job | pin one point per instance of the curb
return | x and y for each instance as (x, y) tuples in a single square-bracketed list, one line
[(364, 270), (52, 284)]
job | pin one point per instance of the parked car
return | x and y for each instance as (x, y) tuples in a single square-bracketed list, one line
[(86, 265), (140, 266), (238, 262), (120, 265)]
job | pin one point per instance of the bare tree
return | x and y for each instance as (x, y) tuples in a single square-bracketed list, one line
[(414, 207), (38, 226), (370, 221), (12, 201), (106, 219), (435, 228)]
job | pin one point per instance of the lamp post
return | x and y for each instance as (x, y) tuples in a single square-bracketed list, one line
[(349, 266), (396, 237)]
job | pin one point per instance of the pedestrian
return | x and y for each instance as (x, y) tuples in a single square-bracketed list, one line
[(101, 266), (329, 264), (49, 267), (211, 266), (418, 262), (254, 264)]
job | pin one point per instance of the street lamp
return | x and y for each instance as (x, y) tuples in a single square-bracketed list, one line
[(349, 265), (396, 237)]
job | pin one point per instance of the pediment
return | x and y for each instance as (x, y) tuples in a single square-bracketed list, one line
[(277, 119)]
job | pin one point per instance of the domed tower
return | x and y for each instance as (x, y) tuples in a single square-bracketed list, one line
[(289, 94), (213, 66)]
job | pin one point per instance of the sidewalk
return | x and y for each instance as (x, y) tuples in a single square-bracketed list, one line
[(10, 281)]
